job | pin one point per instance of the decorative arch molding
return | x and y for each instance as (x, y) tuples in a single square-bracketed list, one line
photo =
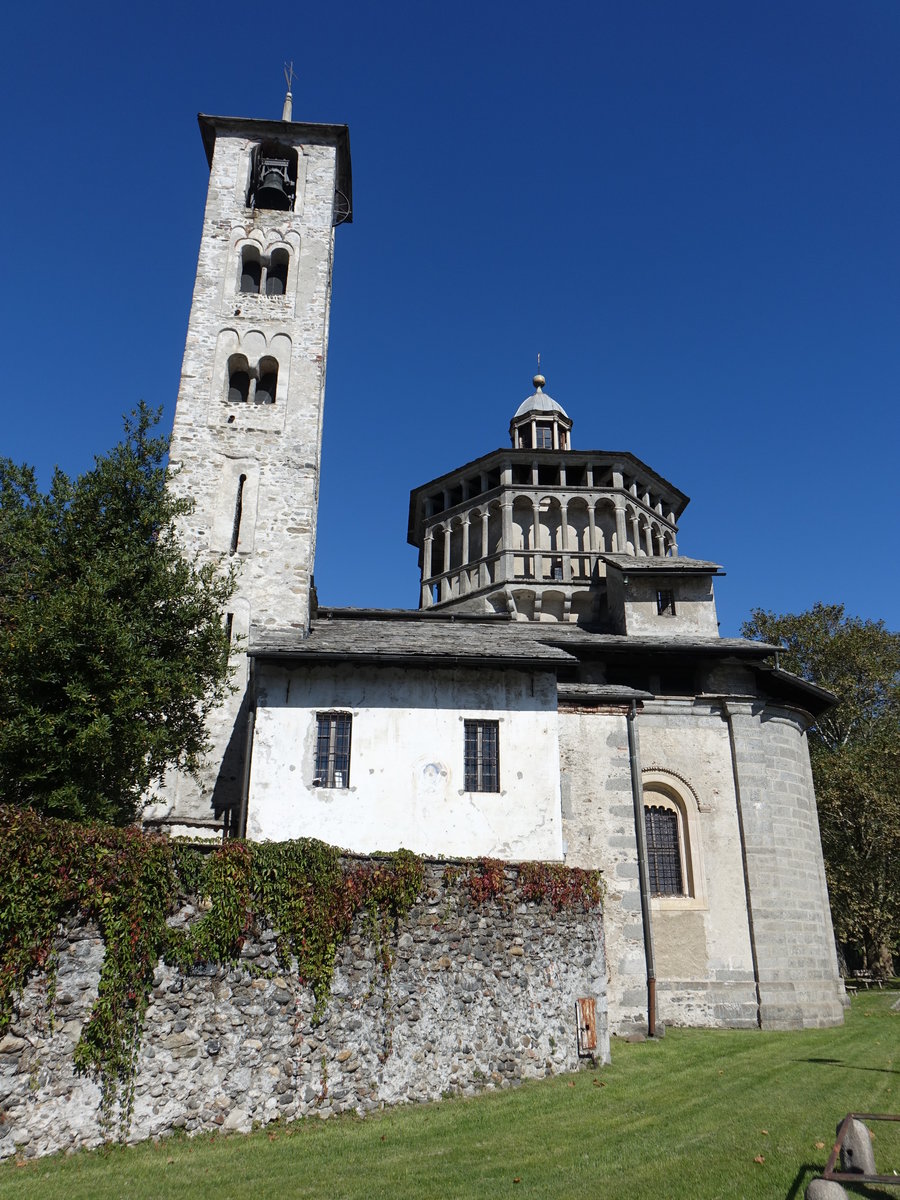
[(256, 354), (284, 245), (675, 779), (553, 607)]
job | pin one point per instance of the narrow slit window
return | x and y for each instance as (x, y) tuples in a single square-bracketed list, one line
[(236, 525), (663, 851), (482, 756), (332, 750), (665, 602)]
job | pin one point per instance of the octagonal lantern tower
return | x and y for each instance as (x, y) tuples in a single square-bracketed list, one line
[(533, 530)]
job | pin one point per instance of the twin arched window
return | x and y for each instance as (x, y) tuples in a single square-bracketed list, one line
[(264, 274), (252, 385)]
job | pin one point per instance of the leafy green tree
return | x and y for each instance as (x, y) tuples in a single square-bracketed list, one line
[(855, 753), (112, 647)]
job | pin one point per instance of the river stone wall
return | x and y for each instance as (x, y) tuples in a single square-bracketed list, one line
[(478, 997)]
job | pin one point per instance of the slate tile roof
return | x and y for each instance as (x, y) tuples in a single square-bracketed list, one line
[(656, 564), (398, 635)]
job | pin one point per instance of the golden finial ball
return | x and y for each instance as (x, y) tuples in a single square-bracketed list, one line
[(539, 381)]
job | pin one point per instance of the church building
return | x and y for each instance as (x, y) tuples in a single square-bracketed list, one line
[(560, 694)]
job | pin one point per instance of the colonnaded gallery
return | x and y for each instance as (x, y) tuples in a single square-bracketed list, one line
[(561, 693)]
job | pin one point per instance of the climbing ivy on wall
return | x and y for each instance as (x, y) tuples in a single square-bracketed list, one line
[(130, 884)]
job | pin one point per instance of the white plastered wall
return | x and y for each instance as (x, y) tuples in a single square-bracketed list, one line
[(406, 761)]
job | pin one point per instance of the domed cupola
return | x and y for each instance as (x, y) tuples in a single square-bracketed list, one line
[(540, 423)]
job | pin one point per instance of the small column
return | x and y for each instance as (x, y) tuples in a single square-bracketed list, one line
[(505, 570), (564, 543), (446, 592), (464, 565), (537, 561), (484, 572), (636, 534), (621, 535), (426, 599), (648, 540)]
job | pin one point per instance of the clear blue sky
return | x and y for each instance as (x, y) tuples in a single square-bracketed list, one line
[(689, 208)]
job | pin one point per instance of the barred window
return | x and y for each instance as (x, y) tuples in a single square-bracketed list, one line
[(482, 756), (333, 750), (663, 851)]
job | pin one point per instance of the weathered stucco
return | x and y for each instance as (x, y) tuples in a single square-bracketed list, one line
[(406, 777)]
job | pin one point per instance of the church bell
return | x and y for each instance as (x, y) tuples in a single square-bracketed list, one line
[(274, 189)]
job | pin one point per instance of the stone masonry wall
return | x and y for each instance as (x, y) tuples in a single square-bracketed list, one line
[(478, 997), (269, 453), (703, 953), (798, 973)]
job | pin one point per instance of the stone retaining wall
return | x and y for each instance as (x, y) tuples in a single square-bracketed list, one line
[(478, 997)]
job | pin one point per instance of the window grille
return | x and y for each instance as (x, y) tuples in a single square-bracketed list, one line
[(333, 750), (665, 602), (663, 851), (482, 756)]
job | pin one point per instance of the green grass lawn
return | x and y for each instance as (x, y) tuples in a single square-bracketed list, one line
[(687, 1117)]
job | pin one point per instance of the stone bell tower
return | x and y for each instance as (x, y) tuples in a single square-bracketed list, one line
[(246, 443)]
